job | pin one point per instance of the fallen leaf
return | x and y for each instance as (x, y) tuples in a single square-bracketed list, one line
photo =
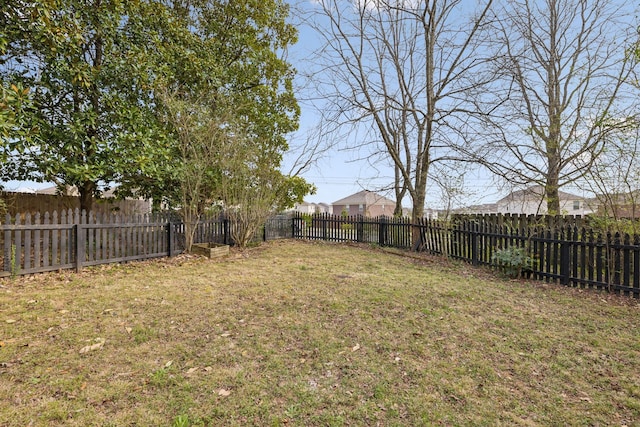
[(355, 347), (11, 321), (128, 330), (191, 370), (224, 393), (99, 344), (169, 363), (208, 368)]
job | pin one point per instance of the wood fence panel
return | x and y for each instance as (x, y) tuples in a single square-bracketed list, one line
[(563, 249), (636, 265), (54, 240), (46, 253), (27, 242), (626, 263), (16, 249)]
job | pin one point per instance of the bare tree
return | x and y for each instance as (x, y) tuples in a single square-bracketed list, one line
[(401, 72), (562, 69), (615, 177)]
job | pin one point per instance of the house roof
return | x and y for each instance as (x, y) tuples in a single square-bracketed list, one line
[(72, 191), (536, 192), (364, 197)]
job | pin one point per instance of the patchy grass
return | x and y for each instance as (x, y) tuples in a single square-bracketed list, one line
[(295, 333)]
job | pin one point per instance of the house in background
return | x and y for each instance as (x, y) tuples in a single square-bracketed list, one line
[(311, 208), (532, 201), (53, 199), (617, 205), (482, 209), (365, 203)]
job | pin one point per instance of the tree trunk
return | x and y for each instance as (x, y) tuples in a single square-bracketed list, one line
[(86, 191), (552, 186), (400, 192), (552, 193), (417, 214)]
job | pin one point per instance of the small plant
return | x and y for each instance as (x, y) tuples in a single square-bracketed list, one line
[(513, 260), (141, 334), (181, 421), (307, 220), (159, 378)]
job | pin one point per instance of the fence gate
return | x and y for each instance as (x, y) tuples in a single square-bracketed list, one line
[(278, 227)]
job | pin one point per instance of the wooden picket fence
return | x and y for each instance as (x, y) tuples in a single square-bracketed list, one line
[(73, 239), (39, 243), (565, 250)]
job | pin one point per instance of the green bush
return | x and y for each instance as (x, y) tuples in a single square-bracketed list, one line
[(513, 261)]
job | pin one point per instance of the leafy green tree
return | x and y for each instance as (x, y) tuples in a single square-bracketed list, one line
[(252, 189), (75, 57), (139, 92), (225, 58)]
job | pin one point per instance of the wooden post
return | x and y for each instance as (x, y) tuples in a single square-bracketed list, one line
[(382, 231), (27, 242), (80, 245), (7, 243), (473, 227), (565, 261), (294, 219), (169, 238), (324, 226), (225, 224)]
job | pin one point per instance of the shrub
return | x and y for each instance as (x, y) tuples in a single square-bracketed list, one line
[(513, 261)]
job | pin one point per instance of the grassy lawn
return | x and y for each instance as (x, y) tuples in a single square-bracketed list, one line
[(311, 334)]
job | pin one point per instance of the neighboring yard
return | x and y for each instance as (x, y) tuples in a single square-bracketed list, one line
[(306, 334)]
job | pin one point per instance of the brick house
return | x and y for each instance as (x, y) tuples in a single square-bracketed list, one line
[(365, 203)]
